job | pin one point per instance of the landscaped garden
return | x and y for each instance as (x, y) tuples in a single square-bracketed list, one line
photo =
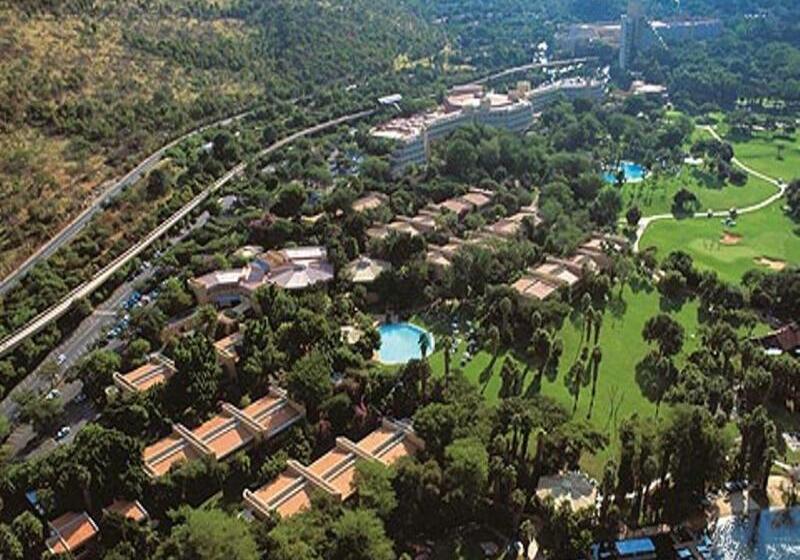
[(765, 239), (618, 396), (655, 194)]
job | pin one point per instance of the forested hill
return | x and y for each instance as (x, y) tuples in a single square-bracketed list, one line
[(89, 86)]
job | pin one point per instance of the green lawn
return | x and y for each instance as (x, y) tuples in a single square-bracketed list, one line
[(654, 195), (773, 154), (767, 233), (622, 346)]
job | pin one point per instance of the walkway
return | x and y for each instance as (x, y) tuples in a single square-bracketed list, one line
[(645, 222)]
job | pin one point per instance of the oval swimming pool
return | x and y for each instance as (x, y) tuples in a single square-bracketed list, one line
[(400, 343), (634, 173)]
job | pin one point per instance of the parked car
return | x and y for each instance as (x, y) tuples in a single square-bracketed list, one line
[(63, 432), (53, 394)]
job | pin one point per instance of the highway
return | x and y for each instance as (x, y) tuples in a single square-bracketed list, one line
[(533, 66), (85, 289), (73, 228)]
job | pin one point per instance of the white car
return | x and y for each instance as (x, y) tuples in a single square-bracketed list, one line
[(54, 394), (61, 359), (63, 432)]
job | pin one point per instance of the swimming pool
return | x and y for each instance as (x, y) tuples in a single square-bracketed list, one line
[(400, 343), (777, 537), (634, 173)]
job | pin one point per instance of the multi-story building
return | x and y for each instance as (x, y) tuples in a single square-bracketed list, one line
[(464, 105), (571, 88), (638, 34)]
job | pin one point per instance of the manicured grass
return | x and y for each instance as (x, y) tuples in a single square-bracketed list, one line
[(766, 233), (654, 195), (622, 346), (773, 154)]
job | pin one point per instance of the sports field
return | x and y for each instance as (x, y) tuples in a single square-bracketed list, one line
[(766, 239)]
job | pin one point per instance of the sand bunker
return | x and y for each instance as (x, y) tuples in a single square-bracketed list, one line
[(730, 239), (772, 264)]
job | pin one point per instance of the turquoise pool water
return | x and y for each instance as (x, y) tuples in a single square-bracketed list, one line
[(776, 537), (400, 343), (634, 173)]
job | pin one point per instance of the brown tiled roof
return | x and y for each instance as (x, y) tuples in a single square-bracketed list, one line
[(70, 532), (145, 377), (334, 472), (224, 434), (129, 510)]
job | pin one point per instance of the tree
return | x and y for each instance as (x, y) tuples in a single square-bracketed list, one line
[(174, 299), (30, 533), (226, 148), (208, 534), (684, 202), (197, 376), (633, 215), (158, 182), (667, 333), (359, 535), (424, 344), (461, 159), (96, 370), (447, 348), (578, 376), (289, 200), (10, 547), (597, 357), (466, 475), (793, 199), (309, 382), (606, 207), (375, 492)]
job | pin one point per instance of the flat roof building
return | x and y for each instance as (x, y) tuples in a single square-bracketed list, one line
[(157, 371), (369, 201), (224, 434), (334, 472)]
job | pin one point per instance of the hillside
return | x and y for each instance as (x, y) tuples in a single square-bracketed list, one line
[(89, 87)]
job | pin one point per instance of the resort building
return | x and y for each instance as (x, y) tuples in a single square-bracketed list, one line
[(464, 105), (72, 534), (475, 200), (369, 201), (129, 510), (509, 228), (226, 433), (365, 270), (573, 488), (638, 34), (785, 340), (545, 95), (542, 281), (333, 473), (227, 352), (156, 371), (292, 269)]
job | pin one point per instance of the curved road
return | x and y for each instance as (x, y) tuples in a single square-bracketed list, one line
[(644, 223), (44, 318), (74, 227)]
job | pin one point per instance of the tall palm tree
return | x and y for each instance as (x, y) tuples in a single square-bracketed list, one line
[(424, 344), (597, 357), (447, 347), (576, 378)]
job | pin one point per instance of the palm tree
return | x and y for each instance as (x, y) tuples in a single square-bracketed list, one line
[(597, 357), (576, 378), (588, 319), (494, 343), (598, 324), (447, 347), (424, 344)]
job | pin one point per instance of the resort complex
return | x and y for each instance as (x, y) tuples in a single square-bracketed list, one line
[(379, 280)]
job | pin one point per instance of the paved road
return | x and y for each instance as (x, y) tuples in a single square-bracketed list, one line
[(84, 338), (85, 289), (533, 66), (72, 229), (644, 223)]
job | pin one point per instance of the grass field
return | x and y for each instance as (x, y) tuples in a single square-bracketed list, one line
[(767, 233), (654, 195), (622, 346)]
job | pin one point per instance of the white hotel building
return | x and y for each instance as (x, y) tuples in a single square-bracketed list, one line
[(470, 104)]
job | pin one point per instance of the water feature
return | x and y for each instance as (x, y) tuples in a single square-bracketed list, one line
[(400, 343), (634, 173), (772, 535)]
